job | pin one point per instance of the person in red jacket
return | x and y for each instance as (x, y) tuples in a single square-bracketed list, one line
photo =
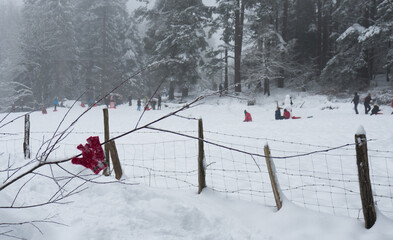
[(287, 114), (248, 117)]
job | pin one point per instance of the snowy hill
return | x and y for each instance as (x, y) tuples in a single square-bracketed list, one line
[(157, 196)]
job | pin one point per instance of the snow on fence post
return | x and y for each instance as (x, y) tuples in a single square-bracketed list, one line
[(26, 142), (201, 159), (106, 171), (115, 160), (273, 179), (366, 193)]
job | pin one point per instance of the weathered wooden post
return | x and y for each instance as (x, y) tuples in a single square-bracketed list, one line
[(366, 193), (107, 171), (115, 160), (26, 142), (201, 158), (273, 180)]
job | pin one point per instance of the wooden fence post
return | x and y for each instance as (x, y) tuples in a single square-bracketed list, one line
[(366, 193), (115, 160), (107, 171), (201, 158), (26, 142), (273, 179)]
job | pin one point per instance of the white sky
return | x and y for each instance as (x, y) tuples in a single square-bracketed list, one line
[(132, 4)]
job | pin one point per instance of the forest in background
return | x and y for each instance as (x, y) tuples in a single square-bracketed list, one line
[(70, 48)]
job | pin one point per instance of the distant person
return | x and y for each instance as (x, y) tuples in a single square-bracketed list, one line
[(153, 103), (130, 100), (112, 102), (91, 102), (138, 104), (159, 102), (247, 116), (277, 114), (355, 102), (55, 103), (44, 110), (221, 88), (375, 110), (367, 101)]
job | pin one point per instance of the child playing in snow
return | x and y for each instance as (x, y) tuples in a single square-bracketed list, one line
[(375, 110), (248, 117), (277, 114), (287, 114)]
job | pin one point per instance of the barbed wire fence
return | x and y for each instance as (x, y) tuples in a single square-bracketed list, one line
[(324, 179)]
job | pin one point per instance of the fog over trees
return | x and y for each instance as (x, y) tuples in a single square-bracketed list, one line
[(66, 48)]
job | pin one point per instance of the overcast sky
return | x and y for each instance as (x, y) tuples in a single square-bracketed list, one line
[(132, 4)]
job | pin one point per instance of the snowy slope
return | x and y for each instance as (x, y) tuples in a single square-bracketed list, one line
[(161, 208)]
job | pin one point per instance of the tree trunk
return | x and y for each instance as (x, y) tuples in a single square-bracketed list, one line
[(319, 35), (285, 21), (171, 93), (325, 37), (103, 66), (239, 17), (388, 67), (184, 92), (226, 82)]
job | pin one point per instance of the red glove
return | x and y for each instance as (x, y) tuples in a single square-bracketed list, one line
[(92, 155)]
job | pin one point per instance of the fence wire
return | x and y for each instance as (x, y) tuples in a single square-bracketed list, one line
[(324, 181)]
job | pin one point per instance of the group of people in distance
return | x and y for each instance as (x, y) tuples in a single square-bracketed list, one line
[(367, 102), (286, 115), (150, 104), (288, 107)]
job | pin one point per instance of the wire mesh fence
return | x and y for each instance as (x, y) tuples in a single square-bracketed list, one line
[(320, 178)]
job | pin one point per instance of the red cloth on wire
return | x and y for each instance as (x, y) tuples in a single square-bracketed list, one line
[(92, 155)]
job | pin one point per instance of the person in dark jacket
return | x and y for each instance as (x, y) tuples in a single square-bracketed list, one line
[(375, 110), (278, 114), (248, 117), (367, 101), (355, 102), (138, 104), (159, 102)]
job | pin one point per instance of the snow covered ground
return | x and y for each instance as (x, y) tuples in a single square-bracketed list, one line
[(157, 197)]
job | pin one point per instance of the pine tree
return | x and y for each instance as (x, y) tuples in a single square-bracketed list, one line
[(10, 19), (49, 50), (133, 58), (217, 59), (384, 34), (102, 25), (175, 31), (361, 43)]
